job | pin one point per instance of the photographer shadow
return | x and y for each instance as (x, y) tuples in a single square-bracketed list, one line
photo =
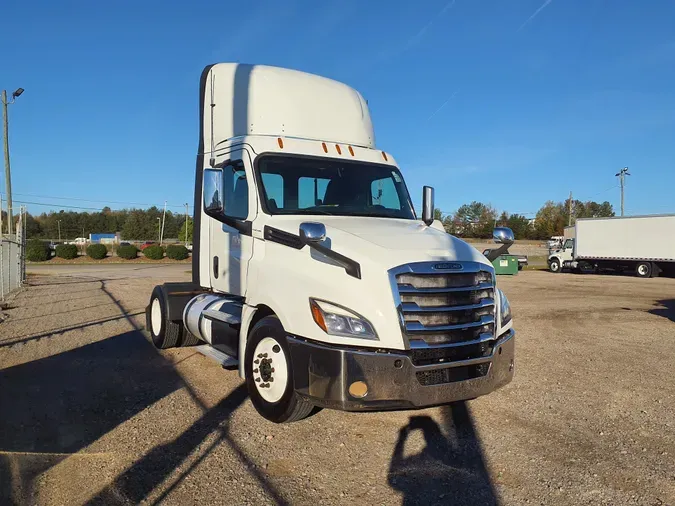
[(450, 469)]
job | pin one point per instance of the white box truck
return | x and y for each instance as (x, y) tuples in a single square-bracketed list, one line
[(312, 273), (644, 245)]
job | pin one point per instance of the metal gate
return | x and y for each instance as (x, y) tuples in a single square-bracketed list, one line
[(12, 257)]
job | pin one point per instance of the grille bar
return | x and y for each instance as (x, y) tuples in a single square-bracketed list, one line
[(407, 288), (417, 344), (417, 327), (413, 307)]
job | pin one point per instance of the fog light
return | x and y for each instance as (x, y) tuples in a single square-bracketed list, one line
[(358, 389)]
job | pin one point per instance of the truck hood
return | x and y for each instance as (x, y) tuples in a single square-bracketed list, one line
[(385, 240)]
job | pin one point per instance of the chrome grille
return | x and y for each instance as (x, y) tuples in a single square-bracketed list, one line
[(447, 308)]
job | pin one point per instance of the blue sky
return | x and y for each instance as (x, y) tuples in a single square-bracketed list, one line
[(508, 102)]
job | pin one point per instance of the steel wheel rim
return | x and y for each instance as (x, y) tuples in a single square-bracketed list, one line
[(156, 317), (270, 369), (642, 270)]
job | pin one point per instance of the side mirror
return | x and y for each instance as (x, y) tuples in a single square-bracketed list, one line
[(503, 235), (312, 232), (212, 193), (428, 205)]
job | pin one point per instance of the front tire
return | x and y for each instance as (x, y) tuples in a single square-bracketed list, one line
[(164, 333), (643, 270), (269, 374), (554, 265)]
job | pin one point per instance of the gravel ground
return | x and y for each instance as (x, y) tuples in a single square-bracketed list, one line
[(92, 413)]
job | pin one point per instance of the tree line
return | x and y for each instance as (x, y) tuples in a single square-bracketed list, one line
[(476, 219), (132, 224)]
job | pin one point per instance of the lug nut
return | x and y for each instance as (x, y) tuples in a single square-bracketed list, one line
[(255, 370), (260, 355), (272, 370), (271, 379), (264, 355), (258, 380), (256, 361)]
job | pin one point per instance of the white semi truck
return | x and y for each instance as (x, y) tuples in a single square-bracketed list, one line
[(312, 273), (644, 245)]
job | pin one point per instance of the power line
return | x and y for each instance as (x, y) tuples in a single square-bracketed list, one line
[(59, 205), (93, 200)]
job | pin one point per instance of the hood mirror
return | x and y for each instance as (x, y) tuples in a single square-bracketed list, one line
[(312, 232), (503, 235)]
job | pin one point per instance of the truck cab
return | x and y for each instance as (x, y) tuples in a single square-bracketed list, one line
[(563, 257), (312, 273)]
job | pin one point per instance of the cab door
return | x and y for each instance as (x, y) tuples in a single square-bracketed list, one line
[(231, 203)]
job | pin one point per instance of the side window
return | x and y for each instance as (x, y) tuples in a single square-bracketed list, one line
[(569, 244), (311, 191), (274, 188), (235, 191), (384, 193)]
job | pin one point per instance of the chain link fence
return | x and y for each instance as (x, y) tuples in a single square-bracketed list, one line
[(13, 259)]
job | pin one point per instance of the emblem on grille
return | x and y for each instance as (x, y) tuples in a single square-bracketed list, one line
[(448, 266)]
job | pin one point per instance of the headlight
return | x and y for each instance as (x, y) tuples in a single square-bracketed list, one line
[(504, 308), (339, 321)]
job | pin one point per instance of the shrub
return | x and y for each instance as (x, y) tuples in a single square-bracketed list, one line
[(127, 252), (154, 252), (97, 251), (177, 252), (67, 251), (37, 251)]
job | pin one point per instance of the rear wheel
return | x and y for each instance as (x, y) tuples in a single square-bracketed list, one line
[(164, 333), (643, 270), (554, 265), (269, 375)]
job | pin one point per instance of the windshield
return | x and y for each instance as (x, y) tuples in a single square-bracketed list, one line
[(299, 185)]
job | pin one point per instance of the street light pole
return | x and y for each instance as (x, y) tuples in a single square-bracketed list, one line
[(8, 178)]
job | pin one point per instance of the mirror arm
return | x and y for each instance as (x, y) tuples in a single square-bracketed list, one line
[(496, 253)]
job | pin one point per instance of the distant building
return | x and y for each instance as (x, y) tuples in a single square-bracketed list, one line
[(104, 238)]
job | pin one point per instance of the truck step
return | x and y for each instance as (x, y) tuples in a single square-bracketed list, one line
[(222, 358)]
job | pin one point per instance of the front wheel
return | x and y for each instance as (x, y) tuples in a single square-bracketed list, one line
[(554, 265), (164, 333), (643, 270), (269, 375)]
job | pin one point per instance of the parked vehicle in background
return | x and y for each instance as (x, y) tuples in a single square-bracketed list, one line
[(189, 247), (644, 245), (146, 244), (79, 241), (555, 242), (311, 271), (125, 243)]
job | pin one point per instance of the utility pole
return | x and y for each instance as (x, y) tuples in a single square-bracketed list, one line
[(161, 234), (569, 219), (59, 224), (186, 225), (159, 229), (8, 178), (622, 176)]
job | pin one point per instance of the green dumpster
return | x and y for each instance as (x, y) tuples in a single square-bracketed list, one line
[(506, 264)]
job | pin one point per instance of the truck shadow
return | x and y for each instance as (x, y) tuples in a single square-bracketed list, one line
[(667, 309), (450, 469)]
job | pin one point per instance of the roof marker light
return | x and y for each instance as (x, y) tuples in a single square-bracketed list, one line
[(281, 143), (384, 155), (325, 148), (351, 151), (337, 146)]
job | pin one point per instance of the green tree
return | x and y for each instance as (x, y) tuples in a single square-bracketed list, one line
[(475, 220), (181, 233)]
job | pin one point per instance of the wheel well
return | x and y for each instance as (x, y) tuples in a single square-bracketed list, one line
[(261, 313)]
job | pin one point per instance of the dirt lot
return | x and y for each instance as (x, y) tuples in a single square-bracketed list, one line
[(92, 413)]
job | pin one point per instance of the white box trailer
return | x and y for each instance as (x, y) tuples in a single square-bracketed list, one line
[(643, 244)]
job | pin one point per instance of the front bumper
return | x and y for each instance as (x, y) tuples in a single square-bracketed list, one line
[(323, 374)]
